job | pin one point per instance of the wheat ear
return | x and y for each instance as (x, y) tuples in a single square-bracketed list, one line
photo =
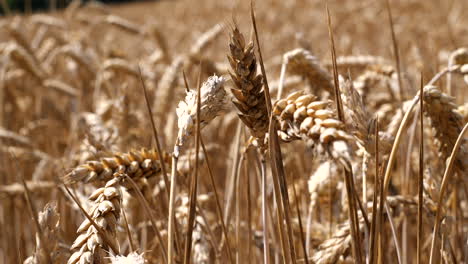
[(89, 246), (136, 164), (303, 63), (332, 249), (446, 124), (26, 60), (303, 117), (248, 92), (49, 220), (213, 103)]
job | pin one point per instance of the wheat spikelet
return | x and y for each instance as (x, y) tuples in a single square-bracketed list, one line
[(26, 61), (446, 124), (213, 102), (248, 85), (76, 53), (100, 136), (89, 246), (303, 63), (356, 115), (320, 182), (20, 39), (48, 45), (376, 79), (302, 117), (335, 247), (136, 164), (49, 221), (39, 37)]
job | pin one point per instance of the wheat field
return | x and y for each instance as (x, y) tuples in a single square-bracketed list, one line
[(229, 132)]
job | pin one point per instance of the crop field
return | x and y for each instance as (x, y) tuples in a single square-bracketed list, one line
[(217, 131)]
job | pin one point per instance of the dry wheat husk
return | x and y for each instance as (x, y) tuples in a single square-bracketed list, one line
[(213, 102)]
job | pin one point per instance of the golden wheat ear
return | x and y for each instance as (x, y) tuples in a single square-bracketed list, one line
[(136, 164), (248, 93), (303, 117), (89, 246), (446, 124)]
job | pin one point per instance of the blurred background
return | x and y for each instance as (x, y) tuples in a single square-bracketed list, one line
[(20, 6)]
